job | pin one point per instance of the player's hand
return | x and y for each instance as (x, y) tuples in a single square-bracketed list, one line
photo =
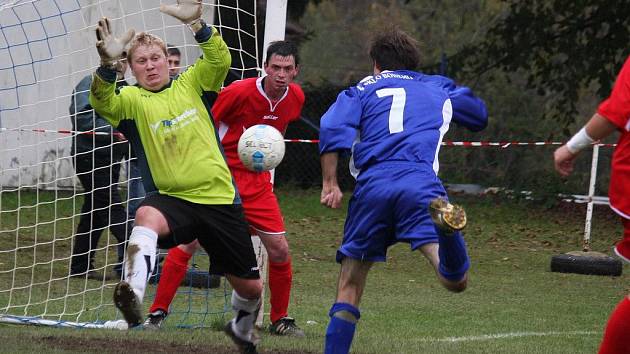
[(331, 196), (186, 11), (110, 48), (563, 161)]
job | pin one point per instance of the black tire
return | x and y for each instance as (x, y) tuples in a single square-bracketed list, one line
[(590, 263), (201, 279)]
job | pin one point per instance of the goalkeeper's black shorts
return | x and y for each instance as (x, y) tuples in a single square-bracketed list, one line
[(221, 230)]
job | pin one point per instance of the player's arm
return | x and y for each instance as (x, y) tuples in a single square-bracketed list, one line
[(103, 97), (468, 109), (597, 128), (299, 104), (338, 128), (209, 72), (83, 116), (612, 114), (300, 97), (81, 112), (331, 193)]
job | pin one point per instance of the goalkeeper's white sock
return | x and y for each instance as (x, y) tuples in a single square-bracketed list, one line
[(245, 313), (140, 258)]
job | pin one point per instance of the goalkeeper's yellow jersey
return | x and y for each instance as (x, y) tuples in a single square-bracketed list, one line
[(171, 130)]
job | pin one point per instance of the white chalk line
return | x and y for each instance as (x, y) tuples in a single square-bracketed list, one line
[(508, 335)]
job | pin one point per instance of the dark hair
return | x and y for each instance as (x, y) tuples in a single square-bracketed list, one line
[(283, 49), (172, 50), (394, 49)]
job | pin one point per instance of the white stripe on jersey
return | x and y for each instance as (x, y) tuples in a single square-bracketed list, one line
[(447, 115)]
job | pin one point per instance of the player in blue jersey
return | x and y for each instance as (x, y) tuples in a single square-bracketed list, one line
[(393, 123)]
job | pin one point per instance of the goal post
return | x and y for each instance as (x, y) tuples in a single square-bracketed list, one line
[(46, 48), (275, 26)]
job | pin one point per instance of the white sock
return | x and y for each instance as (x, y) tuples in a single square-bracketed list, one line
[(140, 258), (245, 313)]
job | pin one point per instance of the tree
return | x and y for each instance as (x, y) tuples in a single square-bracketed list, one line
[(340, 32), (562, 46), (336, 50)]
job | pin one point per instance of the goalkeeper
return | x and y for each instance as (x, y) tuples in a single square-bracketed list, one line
[(189, 187), (277, 101), (393, 123)]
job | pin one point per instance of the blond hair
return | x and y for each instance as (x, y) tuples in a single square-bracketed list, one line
[(143, 39)]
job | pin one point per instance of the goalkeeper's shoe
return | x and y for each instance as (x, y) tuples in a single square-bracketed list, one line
[(244, 346), (128, 303), (448, 217), (286, 326), (155, 319)]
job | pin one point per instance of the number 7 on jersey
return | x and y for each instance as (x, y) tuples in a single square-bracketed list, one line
[(397, 110)]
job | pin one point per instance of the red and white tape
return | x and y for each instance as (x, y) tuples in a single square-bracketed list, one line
[(63, 131), (501, 144)]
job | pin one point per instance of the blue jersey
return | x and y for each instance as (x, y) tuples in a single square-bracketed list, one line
[(398, 116)]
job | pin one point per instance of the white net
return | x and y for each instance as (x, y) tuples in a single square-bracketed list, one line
[(46, 49)]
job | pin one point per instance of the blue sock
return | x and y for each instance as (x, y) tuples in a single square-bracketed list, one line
[(453, 256), (340, 331)]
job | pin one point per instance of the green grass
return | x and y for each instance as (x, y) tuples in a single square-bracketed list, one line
[(514, 304)]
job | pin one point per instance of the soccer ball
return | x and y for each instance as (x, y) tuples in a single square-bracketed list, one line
[(261, 148)]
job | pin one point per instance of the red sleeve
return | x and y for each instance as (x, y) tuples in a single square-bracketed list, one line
[(616, 108), (299, 100), (225, 108)]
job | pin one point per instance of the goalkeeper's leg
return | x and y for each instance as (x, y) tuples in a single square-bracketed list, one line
[(128, 295), (344, 313)]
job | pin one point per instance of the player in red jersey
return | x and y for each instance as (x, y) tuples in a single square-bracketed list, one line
[(273, 100), (612, 114)]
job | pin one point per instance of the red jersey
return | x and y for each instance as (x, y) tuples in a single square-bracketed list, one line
[(617, 110), (243, 104)]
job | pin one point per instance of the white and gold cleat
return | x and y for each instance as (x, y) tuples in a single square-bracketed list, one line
[(448, 217)]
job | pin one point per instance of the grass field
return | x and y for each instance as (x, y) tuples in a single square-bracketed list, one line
[(514, 304)]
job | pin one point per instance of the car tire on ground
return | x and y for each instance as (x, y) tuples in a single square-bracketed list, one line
[(590, 263)]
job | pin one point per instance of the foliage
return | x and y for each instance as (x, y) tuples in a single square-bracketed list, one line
[(562, 47), (340, 34), (341, 31)]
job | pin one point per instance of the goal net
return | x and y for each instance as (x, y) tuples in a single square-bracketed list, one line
[(46, 48)]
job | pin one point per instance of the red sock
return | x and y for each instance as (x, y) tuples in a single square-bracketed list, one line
[(616, 334), (173, 272), (280, 277)]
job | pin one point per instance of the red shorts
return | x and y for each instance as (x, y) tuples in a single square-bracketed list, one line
[(262, 210)]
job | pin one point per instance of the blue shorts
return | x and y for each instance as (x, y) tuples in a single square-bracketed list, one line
[(390, 205)]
